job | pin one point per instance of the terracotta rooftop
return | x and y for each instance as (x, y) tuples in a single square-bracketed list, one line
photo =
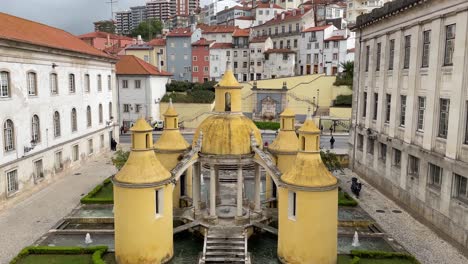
[(267, 5), (290, 15), (241, 32), (235, 8), (26, 31), (113, 50), (202, 42), (100, 34), (131, 65), (157, 42), (336, 38), (260, 39), (279, 51), (221, 45), (206, 29), (314, 29), (180, 32)]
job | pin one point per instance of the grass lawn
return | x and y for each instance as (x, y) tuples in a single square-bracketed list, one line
[(346, 259), (56, 259), (106, 192), (344, 199)]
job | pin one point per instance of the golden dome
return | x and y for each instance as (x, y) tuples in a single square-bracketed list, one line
[(286, 141), (309, 171), (288, 112), (141, 126), (228, 79), (227, 134), (171, 140), (170, 110)]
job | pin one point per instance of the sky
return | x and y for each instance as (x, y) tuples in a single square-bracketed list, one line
[(74, 16)]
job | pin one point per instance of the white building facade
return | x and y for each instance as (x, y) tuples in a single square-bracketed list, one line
[(56, 106), (410, 109), (360, 7)]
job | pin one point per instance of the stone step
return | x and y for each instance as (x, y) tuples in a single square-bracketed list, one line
[(223, 236), (225, 253), (224, 247), (224, 260), (225, 241)]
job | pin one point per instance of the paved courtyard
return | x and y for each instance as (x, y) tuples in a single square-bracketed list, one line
[(26, 221), (417, 238)]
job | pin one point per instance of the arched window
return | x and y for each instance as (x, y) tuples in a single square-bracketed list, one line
[(227, 102), (74, 121), (109, 83), (100, 114), (87, 83), (302, 143), (32, 84), (71, 83), (35, 130), (99, 82), (110, 111), (57, 124), (88, 116), (4, 84), (9, 135), (53, 83)]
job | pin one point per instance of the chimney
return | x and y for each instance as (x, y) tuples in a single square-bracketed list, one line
[(282, 16), (108, 40), (139, 40)]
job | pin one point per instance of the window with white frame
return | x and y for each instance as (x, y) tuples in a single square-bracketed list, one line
[(126, 108), (396, 157), (101, 114), (4, 84), (74, 120), (35, 129), (367, 57), (378, 56), (8, 136), (99, 83), (90, 146), (101, 141), (206, 69), (413, 166), (376, 104), (53, 84), (336, 44), (360, 142), (402, 110), (57, 128), (364, 106), (32, 83), (195, 58), (435, 176), (75, 153), (388, 105), (421, 110), (391, 56), (137, 108), (370, 146), (71, 83), (124, 83), (12, 182), (137, 84), (195, 68), (444, 117), (407, 52), (38, 169), (109, 83), (159, 202), (449, 44), (292, 205), (383, 152), (110, 111), (460, 187), (58, 160), (426, 48), (89, 121), (87, 83)]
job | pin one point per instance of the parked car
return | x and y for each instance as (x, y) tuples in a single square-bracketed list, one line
[(158, 125)]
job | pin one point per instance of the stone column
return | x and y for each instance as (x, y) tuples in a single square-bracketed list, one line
[(218, 188), (196, 186), (257, 189), (239, 191), (212, 191)]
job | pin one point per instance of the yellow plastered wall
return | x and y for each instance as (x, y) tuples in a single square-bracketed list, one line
[(152, 54), (236, 100), (169, 161), (140, 236), (190, 114), (284, 162), (300, 86), (341, 112), (312, 236)]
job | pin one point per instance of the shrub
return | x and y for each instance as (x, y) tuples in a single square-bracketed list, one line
[(91, 199), (119, 159), (267, 125), (344, 199), (344, 100), (330, 160), (383, 255), (193, 96), (97, 252), (355, 260)]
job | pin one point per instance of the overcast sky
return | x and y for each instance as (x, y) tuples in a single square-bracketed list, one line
[(74, 16)]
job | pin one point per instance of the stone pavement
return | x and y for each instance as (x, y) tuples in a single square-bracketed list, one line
[(23, 223), (418, 239)]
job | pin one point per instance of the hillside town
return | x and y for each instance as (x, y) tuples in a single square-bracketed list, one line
[(234, 131)]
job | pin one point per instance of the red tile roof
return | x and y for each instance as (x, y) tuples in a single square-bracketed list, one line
[(336, 38), (313, 29), (100, 34), (206, 29), (221, 45), (241, 32), (26, 31), (267, 5), (113, 50), (180, 32), (131, 65), (290, 15), (157, 42), (235, 8), (202, 42), (260, 39), (279, 51)]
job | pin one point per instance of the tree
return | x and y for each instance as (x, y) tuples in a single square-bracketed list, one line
[(348, 69), (331, 161), (120, 158), (148, 29), (106, 26)]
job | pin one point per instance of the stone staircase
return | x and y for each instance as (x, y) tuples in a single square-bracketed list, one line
[(225, 245)]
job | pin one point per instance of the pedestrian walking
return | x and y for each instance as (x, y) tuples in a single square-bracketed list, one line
[(321, 129), (332, 142), (113, 144), (331, 130)]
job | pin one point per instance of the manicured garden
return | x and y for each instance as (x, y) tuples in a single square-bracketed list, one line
[(344, 199), (60, 255), (101, 194), (376, 257)]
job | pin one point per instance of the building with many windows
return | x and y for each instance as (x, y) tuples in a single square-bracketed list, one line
[(141, 88), (139, 14), (124, 22), (410, 111), (179, 52), (360, 7), (56, 97), (211, 10), (201, 60)]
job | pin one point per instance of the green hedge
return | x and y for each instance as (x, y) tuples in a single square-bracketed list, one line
[(97, 252), (344, 100), (267, 125), (366, 254), (91, 199), (191, 97), (344, 199)]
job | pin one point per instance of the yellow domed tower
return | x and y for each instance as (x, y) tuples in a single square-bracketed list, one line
[(143, 204), (308, 205), (168, 149), (284, 147)]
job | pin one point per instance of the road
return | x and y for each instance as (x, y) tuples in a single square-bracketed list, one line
[(341, 141)]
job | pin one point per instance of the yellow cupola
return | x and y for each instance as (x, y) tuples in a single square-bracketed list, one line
[(169, 147), (143, 204), (227, 131), (308, 205)]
